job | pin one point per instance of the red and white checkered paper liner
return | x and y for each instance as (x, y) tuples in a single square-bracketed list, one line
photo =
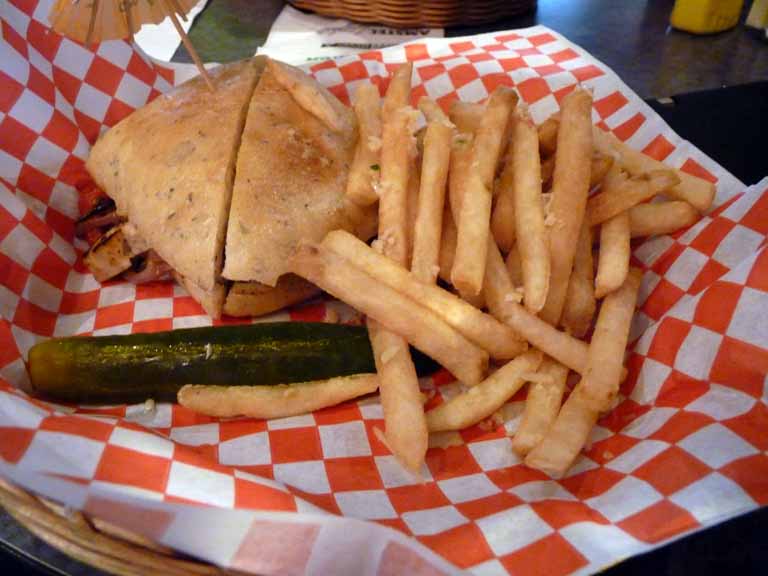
[(685, 448)]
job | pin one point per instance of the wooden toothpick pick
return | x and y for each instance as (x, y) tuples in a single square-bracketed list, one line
[(188, 45), (91, 23)]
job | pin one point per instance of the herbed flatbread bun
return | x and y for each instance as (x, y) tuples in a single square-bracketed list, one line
[(169, 167), (256, 165), (291, 175), (256, 299)]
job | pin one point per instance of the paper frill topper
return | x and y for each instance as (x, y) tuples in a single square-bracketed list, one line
[(89, 21)]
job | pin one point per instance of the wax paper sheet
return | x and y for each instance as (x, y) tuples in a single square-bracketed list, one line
[(685, 447)]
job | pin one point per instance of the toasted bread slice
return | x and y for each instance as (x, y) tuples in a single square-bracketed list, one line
[(255, 299), (169, 167), (291, 174), (211, 300)]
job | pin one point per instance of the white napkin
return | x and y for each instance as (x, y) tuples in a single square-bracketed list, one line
[(296, 37)]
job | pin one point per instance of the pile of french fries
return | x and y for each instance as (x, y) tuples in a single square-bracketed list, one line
[(507, 215)]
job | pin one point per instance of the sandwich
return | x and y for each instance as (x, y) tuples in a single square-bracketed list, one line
[(217, 188)]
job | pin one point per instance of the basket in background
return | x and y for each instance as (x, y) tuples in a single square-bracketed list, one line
[(418, 13)]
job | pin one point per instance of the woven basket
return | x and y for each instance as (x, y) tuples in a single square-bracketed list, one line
[(95, 542), (418, 13)]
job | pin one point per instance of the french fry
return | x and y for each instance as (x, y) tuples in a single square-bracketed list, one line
[(275, 401), (547, 170), (466, 115), (364, 171), (393, 190), (447, 246), (447, 252), (503, 224), (419, 136), (565, 438), (406, 433), (533, 245), (363, 219), (500, 298), (548, 144), (458, 171), (398, 91), (619, 193), (405, 423), (489, 136), (483, 400), (548, 135), (412, 204), (396, 160), (498, 339), (696, 191), (598, 386), (313, 97), (660, 218), (580, 303), (396, 312), (570, 187), (613, 260), (609, 340), (601, 164), (472, 234), (475, 215), (598, 169), (541, 406), (515, 267), (476, 300), (432, 112), (431, 197)]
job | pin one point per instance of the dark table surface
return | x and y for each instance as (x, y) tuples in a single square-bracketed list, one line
[(633, 39)]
